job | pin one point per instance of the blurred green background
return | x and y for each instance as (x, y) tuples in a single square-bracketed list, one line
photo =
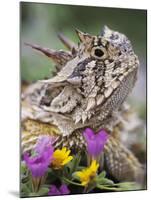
[(40, 24)]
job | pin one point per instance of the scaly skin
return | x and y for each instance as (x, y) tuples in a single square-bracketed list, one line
[(92, 82)]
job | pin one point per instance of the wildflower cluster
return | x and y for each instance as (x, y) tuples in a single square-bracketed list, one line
[(49, 171)]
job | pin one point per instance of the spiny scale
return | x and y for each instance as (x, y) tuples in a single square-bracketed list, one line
[(93, 80)]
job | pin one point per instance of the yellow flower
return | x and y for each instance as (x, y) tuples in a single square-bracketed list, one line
[(61, 158), (87, 174)]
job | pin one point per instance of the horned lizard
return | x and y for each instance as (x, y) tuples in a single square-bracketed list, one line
[(89, 89)]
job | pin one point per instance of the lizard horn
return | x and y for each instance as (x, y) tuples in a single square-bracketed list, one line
[(59, 57), (68, 43), (84, 37), (105, 30)]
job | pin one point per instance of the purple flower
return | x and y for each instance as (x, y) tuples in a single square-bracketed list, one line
[(61, 191), (44, 143), (95, 141), (64, 189), (53, 191), (39, 163)]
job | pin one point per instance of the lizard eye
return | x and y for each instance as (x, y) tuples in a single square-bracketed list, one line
[(99, 53)]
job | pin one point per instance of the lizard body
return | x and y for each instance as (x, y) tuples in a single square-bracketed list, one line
[(89, 90)]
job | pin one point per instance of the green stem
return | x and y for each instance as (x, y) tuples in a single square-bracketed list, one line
[(85, 190), (72, 182), (118, 184), (108, 188)]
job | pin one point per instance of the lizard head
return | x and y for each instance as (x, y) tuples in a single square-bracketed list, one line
[(97, 67), (103, 62)]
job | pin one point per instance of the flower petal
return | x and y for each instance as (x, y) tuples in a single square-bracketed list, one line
[(44, 143), (68, 159), (53, 191), (87, 174), (102, 135), (95, 142), (38, 164), (88, 134), (64, 189)]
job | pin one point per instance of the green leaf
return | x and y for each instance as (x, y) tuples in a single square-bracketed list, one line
[(33, 194), (100, 179), (51, 176), (102, 175), (25, 189), (107, 187), (29, 184), (49, 170), (90, 187), (43, 191), (74, 176), (124, 186), (24, 173), (24, 179), (33, 153), (128, 186), (23, 168), (104, 181), (74, 164)]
